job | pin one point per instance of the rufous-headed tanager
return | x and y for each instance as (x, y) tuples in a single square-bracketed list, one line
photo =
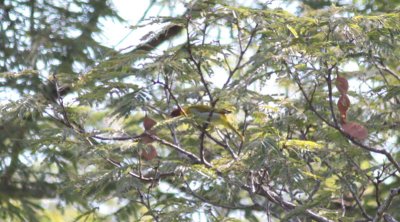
[(202, 112)]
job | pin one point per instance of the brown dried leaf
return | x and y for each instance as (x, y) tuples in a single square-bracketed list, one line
[(343, 104), (151, 154), (342, 85), (355, 130), (148, 123)]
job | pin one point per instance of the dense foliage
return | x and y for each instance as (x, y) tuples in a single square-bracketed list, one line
[(316, 96)]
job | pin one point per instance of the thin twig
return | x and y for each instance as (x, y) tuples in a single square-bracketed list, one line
[(232, 207), (197, 63), (178, 148), (241, 55), (117, 138), (141, 177), (275, 198), (147, 204)]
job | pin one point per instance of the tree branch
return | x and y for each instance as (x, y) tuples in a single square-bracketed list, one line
[(231, 207), (351, 139), (385, 206), (146, 179), (275, 198), (196, 63), (177, 148)]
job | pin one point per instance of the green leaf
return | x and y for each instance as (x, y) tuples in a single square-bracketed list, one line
[(292, 30), (300, 144)]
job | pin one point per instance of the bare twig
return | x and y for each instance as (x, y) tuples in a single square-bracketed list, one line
[(196, 63), (146, 203), (117, 138), (382, 66), (241, 54), (140, 177)]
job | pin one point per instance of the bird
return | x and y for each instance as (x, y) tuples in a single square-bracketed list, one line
[(202, 112)]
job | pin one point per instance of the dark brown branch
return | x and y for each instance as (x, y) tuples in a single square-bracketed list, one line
[(382, 66), (202, 148), (196, 63), (330, 93), (242, 52), (147, 204), (169, 90), (388, 218), (385, 206), (353, 193), (225, 145), (166, 34), (61, 102)]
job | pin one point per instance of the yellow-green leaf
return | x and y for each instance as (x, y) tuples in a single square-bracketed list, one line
[(313, 176), (300, 144), (293, 31), (330, 183)]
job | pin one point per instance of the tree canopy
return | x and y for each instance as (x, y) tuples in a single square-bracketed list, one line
[(315, 95)]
